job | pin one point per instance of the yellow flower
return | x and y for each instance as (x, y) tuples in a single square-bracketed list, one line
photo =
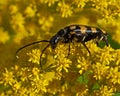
[(82, 93), (114, 26), (105, 57), (21, 34), (83, 64), (4, 36), (31, 29), (49, 76), (23, 74), (13, 9), (17, 20), (118, 57), (8, 77), (49, 2), (35, 71), (2, 94), (62, 63), (46, 22), (100, 70), (65, 9), (80, 3), (17, 86), (116, 35), (114, 75), (34, 56), (30, 11), (60, 77), (105, 91), (39, 83)]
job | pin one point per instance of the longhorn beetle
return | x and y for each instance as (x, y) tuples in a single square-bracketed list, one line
[(73, 33)]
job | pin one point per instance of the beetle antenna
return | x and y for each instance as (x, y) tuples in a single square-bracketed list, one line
[(29, 45), (42, 54)]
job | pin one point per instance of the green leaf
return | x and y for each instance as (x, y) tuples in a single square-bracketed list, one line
[(80, 79), (84, 77), (117, 94), (96, 86), (113, 43)]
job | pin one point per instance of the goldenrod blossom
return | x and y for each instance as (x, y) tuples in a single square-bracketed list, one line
[(49, 2), (105, 91), (69, 69), (106, 57), (17, 20), (30, 11), (46, 22), (114, 75), (34, 56), (65, 9), (21, 33), (13, 9), (4, 36), (100, 70), (80, 3), (62, 63), (8, 77), (39, 84), (83, 64)]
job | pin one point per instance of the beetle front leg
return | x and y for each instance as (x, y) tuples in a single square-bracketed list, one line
[(86, 47)]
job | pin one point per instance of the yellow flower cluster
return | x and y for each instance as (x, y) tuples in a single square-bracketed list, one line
[(46, 24), (105, 91), (83, 64), (61, 63), (64, 72), (22, 19), (100, 71), (30, 11), (80, 3), (68, 73), (18, 79), (34, 56), (114, 75), (65, 9), (4, 36), (49, 2)]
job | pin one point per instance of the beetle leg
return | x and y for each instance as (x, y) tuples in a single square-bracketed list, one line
[(42, 54), (83, 38), (96, 41), (86, 47), (68, 50)]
